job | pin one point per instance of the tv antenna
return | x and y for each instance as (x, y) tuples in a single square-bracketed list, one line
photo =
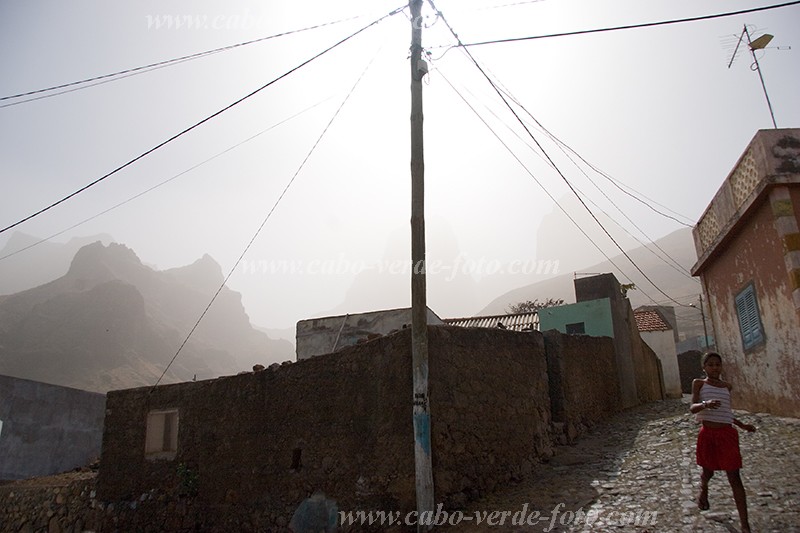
[(759, 43)]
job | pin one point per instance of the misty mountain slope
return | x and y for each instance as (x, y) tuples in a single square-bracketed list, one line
[(41, 263), (112, 322), (679, 245)]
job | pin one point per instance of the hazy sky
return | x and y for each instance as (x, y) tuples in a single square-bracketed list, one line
[(656, 108)]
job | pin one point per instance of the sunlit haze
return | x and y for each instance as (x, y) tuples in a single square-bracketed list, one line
[(656, 108)]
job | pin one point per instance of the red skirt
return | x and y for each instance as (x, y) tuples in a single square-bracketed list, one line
[(718, 448)]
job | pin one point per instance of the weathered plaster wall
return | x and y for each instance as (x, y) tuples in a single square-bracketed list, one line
[(765, 377), (595, 314), (47, 429), (663, 344), (647, 369), (317, 336)]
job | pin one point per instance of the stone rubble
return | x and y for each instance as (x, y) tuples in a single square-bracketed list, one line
[(642, 461)]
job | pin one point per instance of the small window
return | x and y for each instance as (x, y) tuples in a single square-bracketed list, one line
[(749, 319), (578, 328), (161, 441)]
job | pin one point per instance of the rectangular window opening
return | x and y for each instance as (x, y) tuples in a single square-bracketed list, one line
[(578, 328), (161, 439)]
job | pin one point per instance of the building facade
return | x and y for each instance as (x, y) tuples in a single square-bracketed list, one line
[(659, 335), (748, 245)]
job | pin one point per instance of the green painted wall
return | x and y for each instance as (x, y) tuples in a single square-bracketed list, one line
[(595, 314)]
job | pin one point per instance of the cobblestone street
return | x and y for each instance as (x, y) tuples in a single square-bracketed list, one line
[(642, 460)]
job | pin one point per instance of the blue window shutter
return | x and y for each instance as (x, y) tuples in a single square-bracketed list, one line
[(749, 320)]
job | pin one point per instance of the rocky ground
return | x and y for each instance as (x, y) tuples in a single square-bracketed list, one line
[(642, 461)]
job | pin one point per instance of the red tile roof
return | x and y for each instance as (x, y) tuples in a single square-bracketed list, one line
[(650, 321)]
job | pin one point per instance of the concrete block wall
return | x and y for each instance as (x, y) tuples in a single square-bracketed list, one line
[(46, 429)]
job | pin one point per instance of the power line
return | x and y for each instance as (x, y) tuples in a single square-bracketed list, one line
[(152, 66), (632, 26), (564, 147), (535, 179), (154, 187), (558, 171), (675, 265), (269, 214), (638, 196), (208, 118)]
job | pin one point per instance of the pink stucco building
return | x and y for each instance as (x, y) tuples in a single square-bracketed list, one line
[(748, 245)]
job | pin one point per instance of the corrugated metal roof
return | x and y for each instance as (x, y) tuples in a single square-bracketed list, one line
[(650, 321), (516, 322)]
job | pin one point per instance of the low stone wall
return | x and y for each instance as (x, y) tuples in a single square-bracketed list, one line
[(67, 504)]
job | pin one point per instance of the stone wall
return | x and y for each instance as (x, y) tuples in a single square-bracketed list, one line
[(583, 382), (252, 447), (342, 424), (64, 506), (490, 409)]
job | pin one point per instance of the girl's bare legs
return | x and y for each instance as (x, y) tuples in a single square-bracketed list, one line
[(702, 498), (740, 498)]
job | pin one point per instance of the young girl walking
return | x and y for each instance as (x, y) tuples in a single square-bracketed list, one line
[(718, 441)]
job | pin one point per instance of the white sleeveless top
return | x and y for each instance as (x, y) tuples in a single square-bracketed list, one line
[(722, 414)]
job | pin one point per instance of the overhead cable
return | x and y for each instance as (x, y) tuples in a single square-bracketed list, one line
[(674, 264), (208, 118), (632, 26), (266, 218), (160, 184), (558, 171), (535, 179), (105, 78)]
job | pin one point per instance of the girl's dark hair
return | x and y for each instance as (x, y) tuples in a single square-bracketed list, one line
[(709, 355)]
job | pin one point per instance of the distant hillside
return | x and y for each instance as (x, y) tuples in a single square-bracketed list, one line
[(679, 245), (111, 322), (36, 263)]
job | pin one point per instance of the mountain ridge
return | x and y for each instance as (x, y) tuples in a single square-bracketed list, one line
[(112, 322)]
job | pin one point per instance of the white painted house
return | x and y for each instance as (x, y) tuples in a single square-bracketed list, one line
[(658, 335)]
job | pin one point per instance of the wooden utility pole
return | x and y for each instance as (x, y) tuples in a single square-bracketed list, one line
[(419, 307), (705, 331)]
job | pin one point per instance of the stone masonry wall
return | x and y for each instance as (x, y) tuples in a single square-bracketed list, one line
[(346, 418), (341, 424), (583, 382), (253, 446), (490, 409)]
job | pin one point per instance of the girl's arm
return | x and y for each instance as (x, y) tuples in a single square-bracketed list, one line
[(746, 427), (697, 405)]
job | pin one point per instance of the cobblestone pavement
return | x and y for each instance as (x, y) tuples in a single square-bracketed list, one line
[(642, 461)]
